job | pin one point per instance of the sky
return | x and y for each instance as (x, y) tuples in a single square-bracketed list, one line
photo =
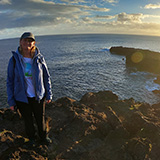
[(52, 17)]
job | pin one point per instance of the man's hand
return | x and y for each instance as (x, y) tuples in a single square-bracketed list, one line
[(49, 101), (12, 108)]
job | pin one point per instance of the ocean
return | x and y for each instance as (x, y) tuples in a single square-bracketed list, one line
[(82, 63)]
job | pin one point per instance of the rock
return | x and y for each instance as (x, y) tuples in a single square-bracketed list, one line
[(99, 126), (65, 101), (157, 80), (138, 148), (156, 91), (100, 97), (9, 141), (143, 60)]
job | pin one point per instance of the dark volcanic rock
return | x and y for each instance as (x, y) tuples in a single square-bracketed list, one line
[(157, 80), (99, 126), (101, 96), (143, 60)]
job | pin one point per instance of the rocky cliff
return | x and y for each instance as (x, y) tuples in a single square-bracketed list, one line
[(143, 60), (98, 127)]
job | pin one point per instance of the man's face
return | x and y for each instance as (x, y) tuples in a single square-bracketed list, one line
[(27, 44)]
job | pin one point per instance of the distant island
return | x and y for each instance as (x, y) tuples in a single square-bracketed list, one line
[(142, 60)]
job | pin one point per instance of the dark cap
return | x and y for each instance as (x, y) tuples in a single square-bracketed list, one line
[(27, 35)]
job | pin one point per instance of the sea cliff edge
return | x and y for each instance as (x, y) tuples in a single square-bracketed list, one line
[(98, 126), (141, 59)]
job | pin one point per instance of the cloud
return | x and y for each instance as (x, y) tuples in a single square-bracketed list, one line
[(74, 1), (122, 23), (34, 13), (105, 17), (89, 2), (152, 16), (111, 1), (129, 18), (41, 13), (3, 2), (152, 6), (121, 20), (95, 8), (70, 16)]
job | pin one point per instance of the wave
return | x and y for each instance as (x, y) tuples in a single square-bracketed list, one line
[(151, 86)]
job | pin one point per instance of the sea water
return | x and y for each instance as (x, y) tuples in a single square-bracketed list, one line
[(82, 63)]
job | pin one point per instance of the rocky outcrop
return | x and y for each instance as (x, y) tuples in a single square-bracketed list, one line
[(143, 60), (98, 127)]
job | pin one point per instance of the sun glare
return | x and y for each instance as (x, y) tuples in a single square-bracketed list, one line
[(137, 57)]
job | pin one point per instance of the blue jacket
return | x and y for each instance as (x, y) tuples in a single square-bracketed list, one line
[(16, 86)]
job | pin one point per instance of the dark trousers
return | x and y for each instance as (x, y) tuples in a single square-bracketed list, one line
[(36, 109)]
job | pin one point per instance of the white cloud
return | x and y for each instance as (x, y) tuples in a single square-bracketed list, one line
[(111, 1), (152, 6), (35, 13), (44, 17), (3, 2), (42, 1), (74, 1), (95, 8), (122, 23), (28, 13)]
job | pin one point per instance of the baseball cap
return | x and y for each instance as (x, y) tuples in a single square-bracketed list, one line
[(27, 35)]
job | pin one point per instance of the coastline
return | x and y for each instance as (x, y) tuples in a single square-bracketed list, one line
[(99, 125), (87, 60)]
